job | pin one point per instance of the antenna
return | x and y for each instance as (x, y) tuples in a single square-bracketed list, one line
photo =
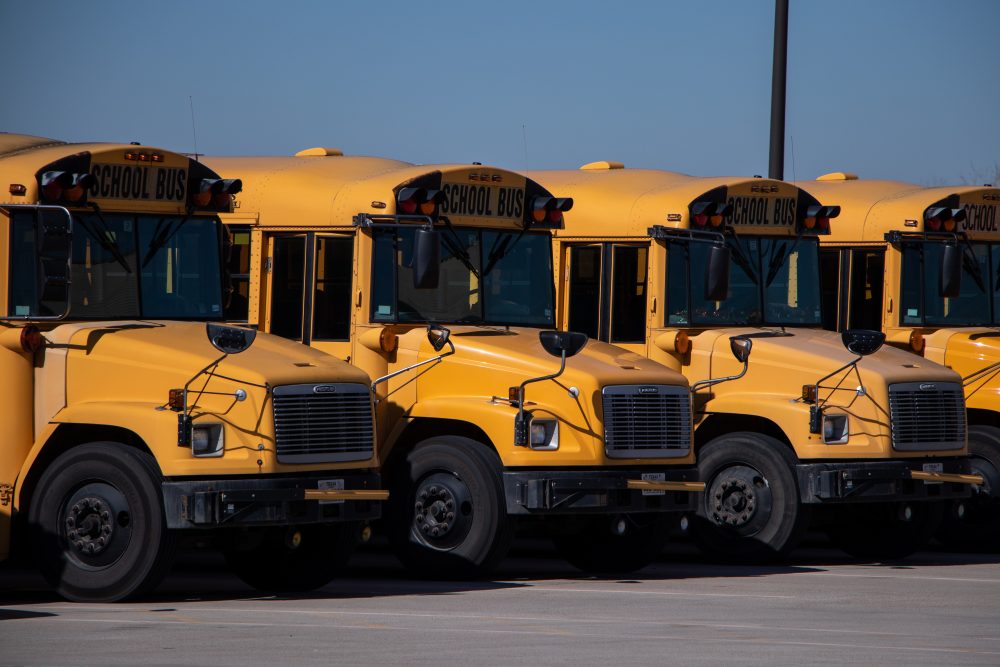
[(791, 140), (524, 138), (194, 133)]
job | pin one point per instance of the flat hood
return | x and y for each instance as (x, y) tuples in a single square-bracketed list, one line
[(151, 357)]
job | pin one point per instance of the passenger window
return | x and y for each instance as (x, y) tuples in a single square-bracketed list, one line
[(628, 294), (585, 289), (288, 286), (332, 296), (867, 271), (238, 268), (829, 281)]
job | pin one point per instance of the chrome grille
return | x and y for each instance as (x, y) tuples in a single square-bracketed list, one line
[(323, 423), (927, 415), (646, 421)]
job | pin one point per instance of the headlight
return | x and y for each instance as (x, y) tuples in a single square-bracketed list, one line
[(835, 431), (544, 434), (206, 440)]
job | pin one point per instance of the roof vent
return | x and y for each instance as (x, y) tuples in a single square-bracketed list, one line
[(603, 164), (320, 152), (838, 176)]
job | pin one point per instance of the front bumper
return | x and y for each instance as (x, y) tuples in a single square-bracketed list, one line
[(267, 501), (875, 481), (605, 491)]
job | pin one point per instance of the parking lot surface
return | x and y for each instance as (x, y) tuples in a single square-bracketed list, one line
[(822, 608)]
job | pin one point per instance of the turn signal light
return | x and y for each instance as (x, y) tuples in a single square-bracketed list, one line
[(216, 191), (412, 201), (31, 339), (939, 218), (175, 399), (809, 393), (818, 218), (550, 209), (917, 342), (65, 186), (707, 212)]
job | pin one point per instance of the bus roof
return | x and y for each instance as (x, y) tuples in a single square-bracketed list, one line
[(320, 187), (869, 207), (610, 200)]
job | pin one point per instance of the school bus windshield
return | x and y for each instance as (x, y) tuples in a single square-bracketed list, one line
[(920, 295), (773, 281), (127, 266), (487, 277)]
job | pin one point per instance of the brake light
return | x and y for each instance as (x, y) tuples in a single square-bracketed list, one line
[(707, 212), (217, 192), (937, 218), (818, 218), (65, 186), (550, 208), (411, 200)]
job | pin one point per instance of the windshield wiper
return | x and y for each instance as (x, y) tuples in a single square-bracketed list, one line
[(457, 250), (501, 248), (742, 259), (777, 260), (105, 238), (161, 236)]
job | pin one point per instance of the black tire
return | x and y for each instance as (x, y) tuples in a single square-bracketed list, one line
[(292, 559), (97, 526), (885, 531), (593, 545), (978, 528), (447, 514), (750, 510)]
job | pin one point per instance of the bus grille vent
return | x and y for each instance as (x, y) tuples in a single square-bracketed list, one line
[(646, 421), (927, 415), (323, 423)]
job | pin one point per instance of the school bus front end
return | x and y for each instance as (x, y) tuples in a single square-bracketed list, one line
[(719, 278), (487, 420), (134, 422), (921, 265)]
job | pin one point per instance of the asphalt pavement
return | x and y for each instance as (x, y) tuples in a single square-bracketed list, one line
[(822, 608)]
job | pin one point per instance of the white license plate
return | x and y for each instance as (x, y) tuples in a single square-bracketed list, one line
[(328, 484), (933, 467), (653, 477)]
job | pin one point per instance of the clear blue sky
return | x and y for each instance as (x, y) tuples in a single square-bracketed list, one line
[(906, 89)]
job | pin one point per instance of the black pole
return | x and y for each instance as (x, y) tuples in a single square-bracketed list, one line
[(776, 167)]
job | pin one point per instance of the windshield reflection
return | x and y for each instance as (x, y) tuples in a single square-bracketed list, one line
[(773, 281), (487, 277)]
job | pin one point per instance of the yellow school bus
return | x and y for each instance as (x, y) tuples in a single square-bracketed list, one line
[(921, 264), (130, 418), (437, 281), (676, 268)]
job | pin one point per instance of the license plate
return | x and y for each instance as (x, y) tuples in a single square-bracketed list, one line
[(653, 477), (933, 467), (331, 484)]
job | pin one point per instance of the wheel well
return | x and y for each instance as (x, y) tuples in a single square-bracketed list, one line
[(720, 424), (422, 428), (980, 417), (67, 436)]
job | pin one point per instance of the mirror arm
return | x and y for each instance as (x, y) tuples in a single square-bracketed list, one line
[(708, 383), (380, 380), (520, 424), (184, 419)]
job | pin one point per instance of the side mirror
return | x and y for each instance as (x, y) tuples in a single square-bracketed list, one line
[(717, 276), (426, 258), (54, 246), (741, 348), (862, 342), (558, 342), (951, 271), (230, 340), (438, 336)]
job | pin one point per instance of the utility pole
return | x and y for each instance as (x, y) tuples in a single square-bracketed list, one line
[(776, 166)]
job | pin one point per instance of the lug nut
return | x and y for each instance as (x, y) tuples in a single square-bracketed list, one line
[(433, 490)]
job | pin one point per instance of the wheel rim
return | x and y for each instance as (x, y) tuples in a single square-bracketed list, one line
[(442, 511), (96, 525), (739, 500), (982, 509)]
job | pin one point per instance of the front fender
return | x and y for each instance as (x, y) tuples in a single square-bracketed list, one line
[(869, 438)]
